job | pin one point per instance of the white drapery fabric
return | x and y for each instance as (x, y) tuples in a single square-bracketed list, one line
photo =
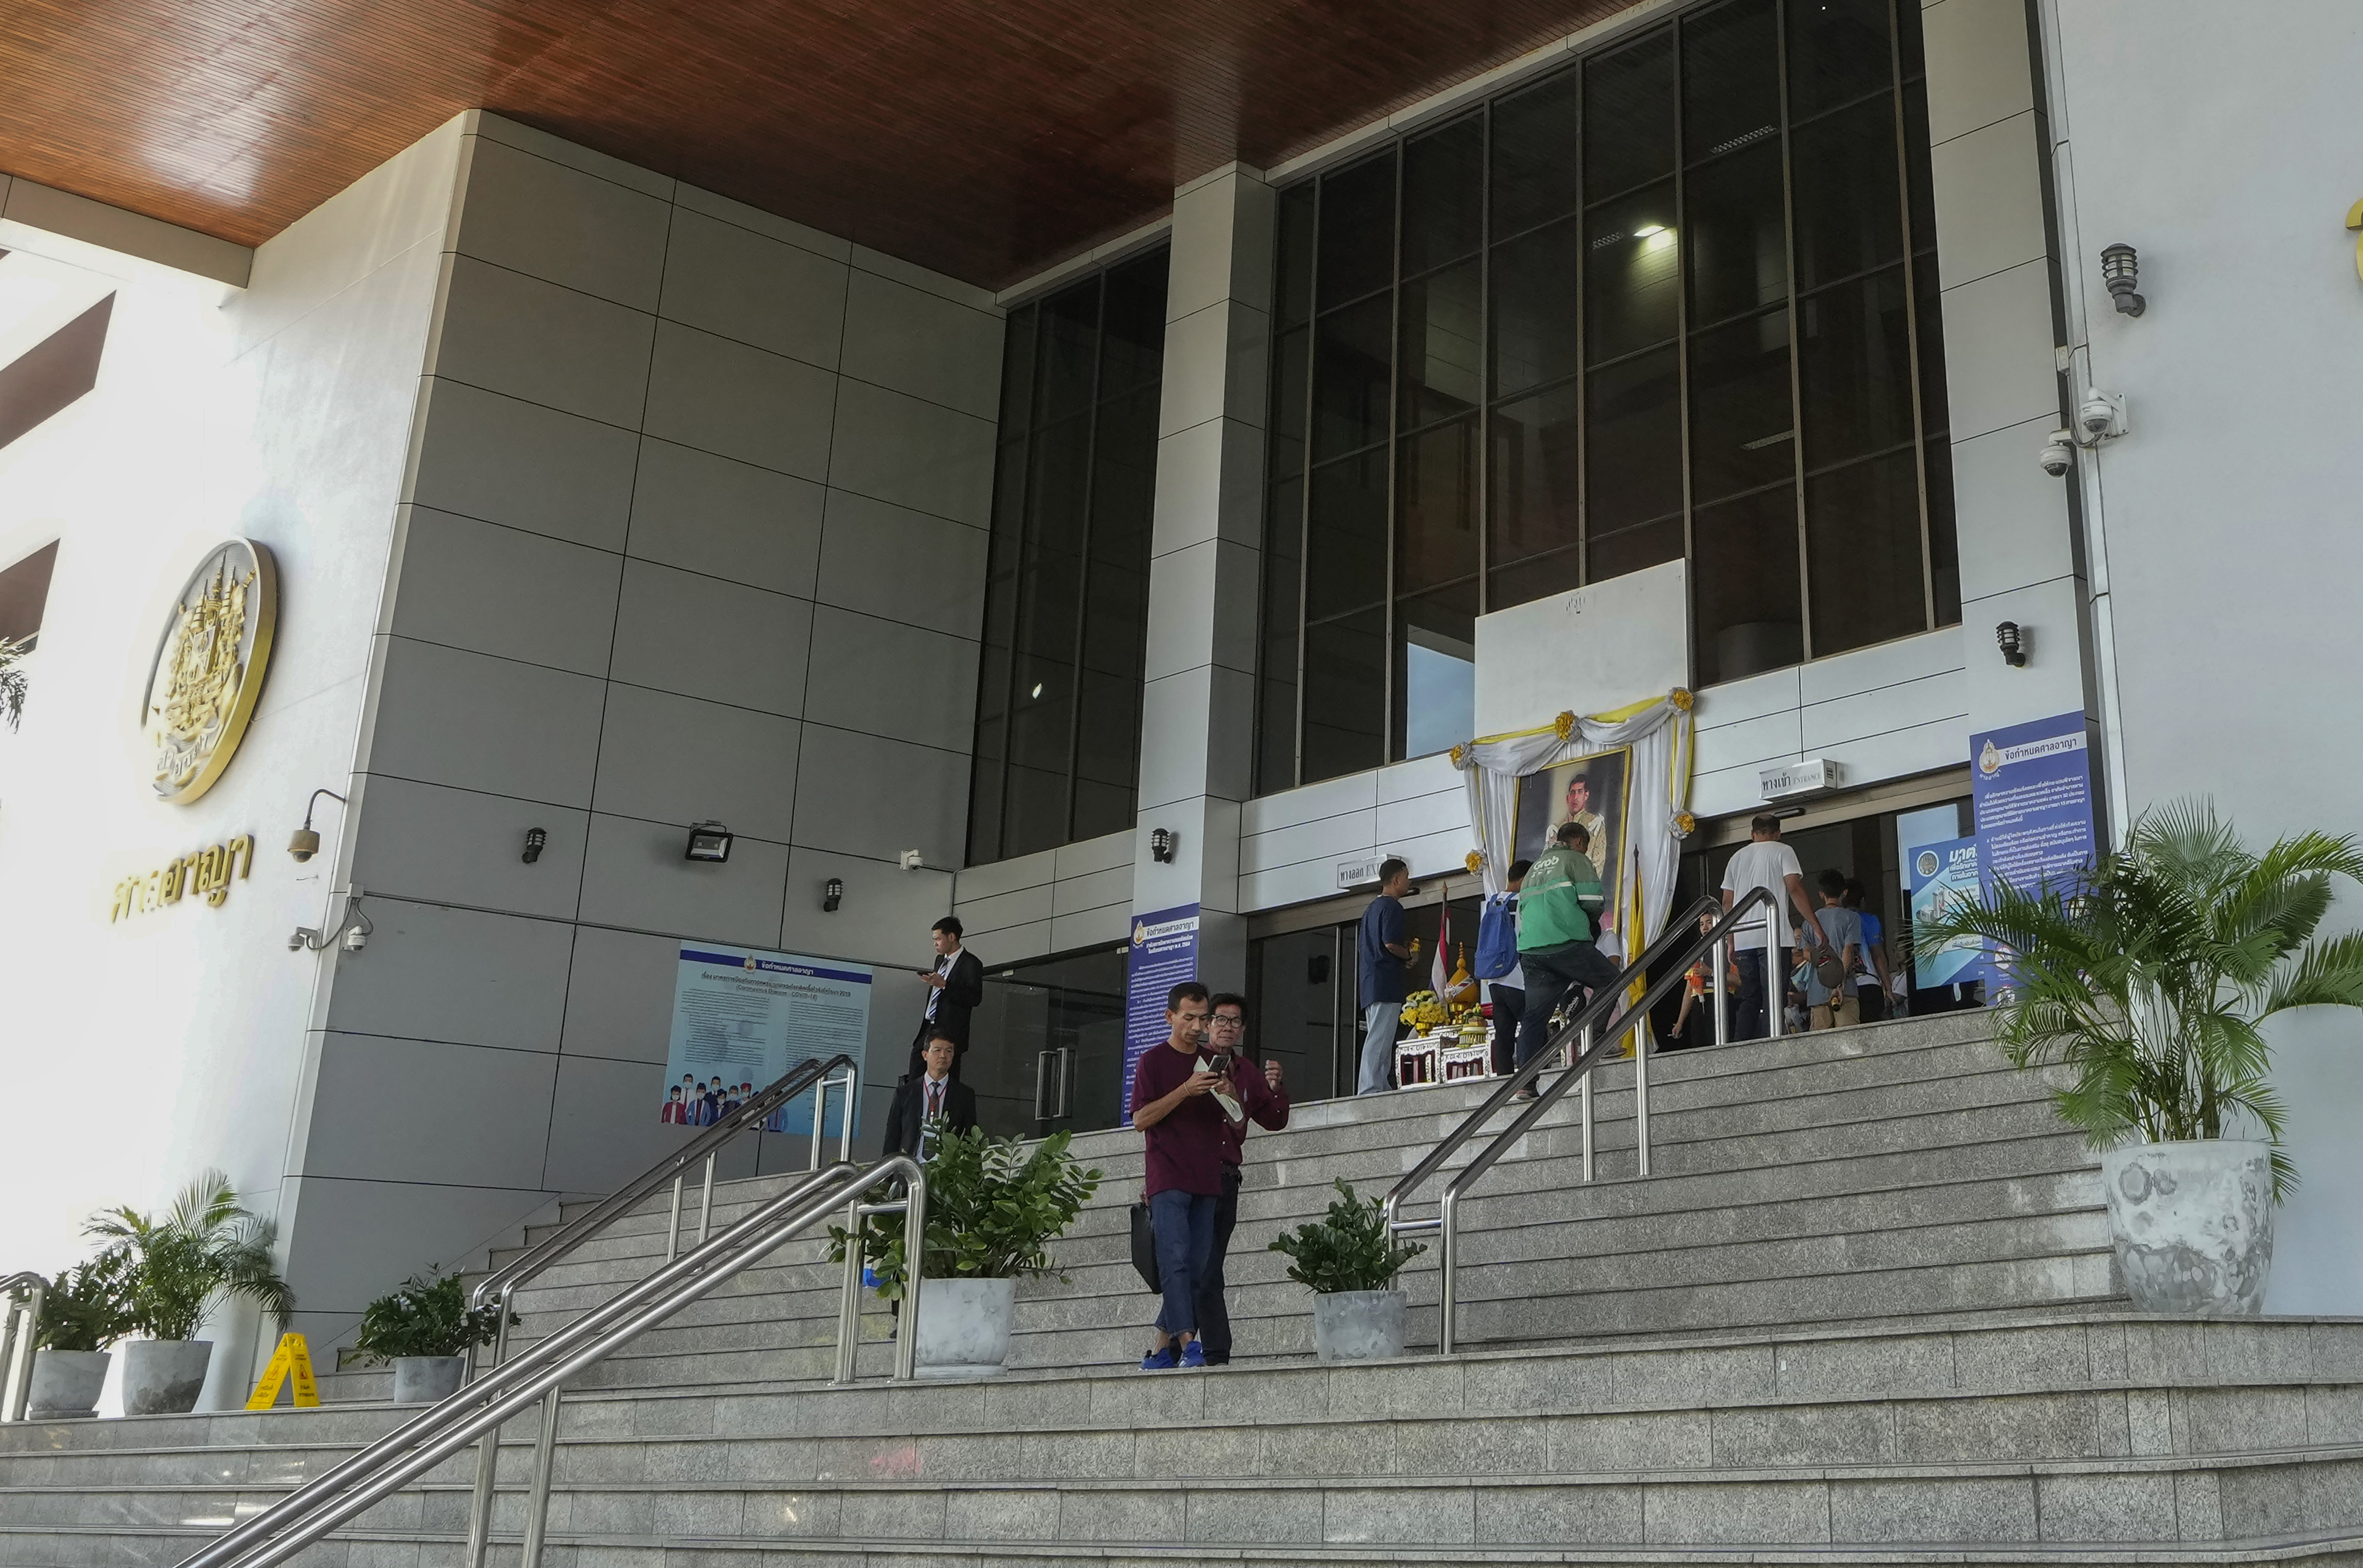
[(1657, 809)]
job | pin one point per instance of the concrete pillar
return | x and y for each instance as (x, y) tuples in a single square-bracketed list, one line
[(1198, 704)]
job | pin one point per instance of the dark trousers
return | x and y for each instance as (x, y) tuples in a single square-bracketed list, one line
[(1871, 1004), (1509, 1005), (1751, 1022), (919, 1053), (1552, 973), (1184, 1224), (1213, 1314)]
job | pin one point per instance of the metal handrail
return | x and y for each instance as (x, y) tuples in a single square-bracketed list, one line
[(1675, 948), (480, 1408), (20, 1325)]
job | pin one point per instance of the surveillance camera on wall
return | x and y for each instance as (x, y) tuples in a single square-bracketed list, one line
[(2101, 416), (2059, 454)]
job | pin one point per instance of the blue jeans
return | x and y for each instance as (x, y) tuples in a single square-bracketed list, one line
[(1379, 1022), (1184, 1223)]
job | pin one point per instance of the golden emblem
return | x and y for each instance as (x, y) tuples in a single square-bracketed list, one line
[(209, 668)]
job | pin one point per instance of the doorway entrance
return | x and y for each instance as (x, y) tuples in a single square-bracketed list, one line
[(1046, 1046)]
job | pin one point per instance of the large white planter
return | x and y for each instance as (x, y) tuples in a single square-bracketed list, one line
[(66, 1384), (964, 1327), (1360, 1325), (427, 1380), (2192, 1225), (163, 1377)]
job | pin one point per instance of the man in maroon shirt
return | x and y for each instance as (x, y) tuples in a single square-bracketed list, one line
[(1175, 1105), (1259, 1094)]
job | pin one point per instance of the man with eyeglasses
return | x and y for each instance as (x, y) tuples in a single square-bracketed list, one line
[(1265, 1102), (1174, 1106)]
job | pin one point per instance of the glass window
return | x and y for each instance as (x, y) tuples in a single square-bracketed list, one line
[(1058, 736), (1678, 300)]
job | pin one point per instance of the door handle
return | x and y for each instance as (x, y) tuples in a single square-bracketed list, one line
[(1042, 1071), (1066, 1081)]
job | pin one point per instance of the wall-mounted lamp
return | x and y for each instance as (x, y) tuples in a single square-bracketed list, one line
[(708, 841), (304, 843), (2121, 270), (536, 839), (1160, 845), (2013, 643), (832, 894)]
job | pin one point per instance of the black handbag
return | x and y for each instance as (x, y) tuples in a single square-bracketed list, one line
[(1144, 1247)]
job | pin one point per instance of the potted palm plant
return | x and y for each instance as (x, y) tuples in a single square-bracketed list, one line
[(85, 1310), (425, 1329), (1350, 1259), (993, 1208), (206, 1251), (2148, 980)]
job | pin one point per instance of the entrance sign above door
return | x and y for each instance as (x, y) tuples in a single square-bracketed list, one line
[(1808, 776)]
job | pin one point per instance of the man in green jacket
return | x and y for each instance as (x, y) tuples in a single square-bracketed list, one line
[(1560, 910)]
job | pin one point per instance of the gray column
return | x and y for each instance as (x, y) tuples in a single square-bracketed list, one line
[(1198, 704)]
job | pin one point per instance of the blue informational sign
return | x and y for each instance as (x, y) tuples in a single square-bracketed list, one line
[(742, 1017), (2032, 787), (1944, 875), (1162, 953)]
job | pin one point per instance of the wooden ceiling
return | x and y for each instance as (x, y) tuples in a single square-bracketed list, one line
[(981, 138)]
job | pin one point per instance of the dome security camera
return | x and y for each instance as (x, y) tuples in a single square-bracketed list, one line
[(2059, 454), (2099, 416)]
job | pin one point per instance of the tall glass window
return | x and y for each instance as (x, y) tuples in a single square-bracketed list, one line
[(1066, 607), (1678, 300)]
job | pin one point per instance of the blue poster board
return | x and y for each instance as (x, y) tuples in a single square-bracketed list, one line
[(1162, 953), (1943, 875), (2032, 787), (745, 1017)]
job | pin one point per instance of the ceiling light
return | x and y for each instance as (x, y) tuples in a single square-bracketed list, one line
[(1036, 691), (1647, 230)]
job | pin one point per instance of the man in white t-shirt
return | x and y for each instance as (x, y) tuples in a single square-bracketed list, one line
[(1762, 939)]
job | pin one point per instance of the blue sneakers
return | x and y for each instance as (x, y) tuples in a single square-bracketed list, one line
[(1161, 1359), (1193, 1354)]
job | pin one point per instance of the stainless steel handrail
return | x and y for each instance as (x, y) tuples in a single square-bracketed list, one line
[(1677, 947), (480, 1408), (20, 1325)]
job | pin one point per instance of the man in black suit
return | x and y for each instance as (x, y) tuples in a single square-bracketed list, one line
[(955, 986), (928, 1101)]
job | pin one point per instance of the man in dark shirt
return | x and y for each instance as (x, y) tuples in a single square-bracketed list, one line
[(1386, 949), (1173, 1105), (1259, 1095)]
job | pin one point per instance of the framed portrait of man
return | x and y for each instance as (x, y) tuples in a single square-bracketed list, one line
[(1592, 790)]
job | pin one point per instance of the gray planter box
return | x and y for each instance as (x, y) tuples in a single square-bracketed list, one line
[(1360, 1325), (964, 1327), (66, 1384), (2192, 1225), (427, 1380), (163, 1377)]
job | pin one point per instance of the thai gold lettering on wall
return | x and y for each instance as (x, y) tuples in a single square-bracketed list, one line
[(204, 874), (2355, 220), (209, 669)]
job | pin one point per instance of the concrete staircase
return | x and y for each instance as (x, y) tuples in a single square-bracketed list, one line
[(1861, 1314)]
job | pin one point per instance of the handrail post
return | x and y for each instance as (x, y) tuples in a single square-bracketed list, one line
[(849, 1114), (849, 1301), (545, 1464), (914, 1263), (706, 1205), (1641, 1088), (1448, 1259), (24, 1316), (672, 1223), (1583, 1092), (488, 1449), (1721, 993)]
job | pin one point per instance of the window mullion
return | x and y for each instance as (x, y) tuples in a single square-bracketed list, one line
[(1796, 342)]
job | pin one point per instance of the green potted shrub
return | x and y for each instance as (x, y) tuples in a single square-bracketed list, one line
[(1349, 1260), (206, 1251), (425, 1329), (2148, 980), (84, 1311), (993, 1208)]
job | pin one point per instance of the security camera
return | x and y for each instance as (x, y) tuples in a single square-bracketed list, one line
[(356, 938), (2059, 454), (2101, 416)]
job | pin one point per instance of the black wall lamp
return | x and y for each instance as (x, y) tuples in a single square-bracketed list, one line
[(1160, 845), (304, 843), (2121, 270), (832, 894), (2013, 643), (708, 841), (536, 839)]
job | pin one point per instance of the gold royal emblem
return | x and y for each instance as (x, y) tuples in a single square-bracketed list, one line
[(209, 668)]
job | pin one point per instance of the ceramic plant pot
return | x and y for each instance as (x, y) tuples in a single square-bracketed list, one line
[(964, 1327), (2192, 1225), (66, 1384), (163, 1377), (1360, 1325), (427, 1380)]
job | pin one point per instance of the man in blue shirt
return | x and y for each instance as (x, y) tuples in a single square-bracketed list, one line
[(1386, 949)]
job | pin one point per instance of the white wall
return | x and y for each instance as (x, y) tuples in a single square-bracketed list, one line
[(136, 1055), (2227, 150)]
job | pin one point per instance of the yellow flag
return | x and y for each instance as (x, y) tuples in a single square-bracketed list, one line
[(291, 1358)]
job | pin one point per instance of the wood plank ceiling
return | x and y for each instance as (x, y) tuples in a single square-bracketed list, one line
[(981, 138)]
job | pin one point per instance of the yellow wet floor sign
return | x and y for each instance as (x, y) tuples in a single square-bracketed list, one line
[(292, 1356)]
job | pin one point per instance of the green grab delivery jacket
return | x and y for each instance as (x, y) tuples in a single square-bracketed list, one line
[(1559, 900)]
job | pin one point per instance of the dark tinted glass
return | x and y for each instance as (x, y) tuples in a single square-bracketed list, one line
[(1350, 377), (1630, 550), (1537, 579), (1276, 689), (1738, 238), (1918, 181), (1292, 264), (1535, 480), (1533, 306), (1854, 370), (1742, 424), (1911, 42), (1058, 496), (1017, 372), (1358, 230), (1536, 171), (1441, 347), (1629, 266), (1744, 585), (1628, 117), (1934, 414), (1848, 205), (1292, 356), (1123, 474), (1862, 539), (1436, 508), (1132, 325), (1944, 546), (1344, 696), (1443, 195), (1731, 78), (1634, 423), (1067, 366), (1435, 671), (1346, 564), (1837, 51)]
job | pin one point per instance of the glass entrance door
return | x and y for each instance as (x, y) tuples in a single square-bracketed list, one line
[(1046, 1046)]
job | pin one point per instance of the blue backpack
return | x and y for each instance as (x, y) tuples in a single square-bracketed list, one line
[(1497, 938)]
